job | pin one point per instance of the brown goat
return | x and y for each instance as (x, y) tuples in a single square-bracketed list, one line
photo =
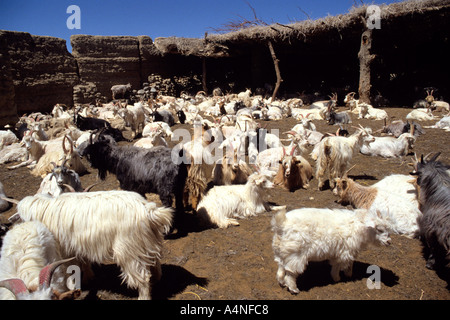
[(231, 170), (294, 172)]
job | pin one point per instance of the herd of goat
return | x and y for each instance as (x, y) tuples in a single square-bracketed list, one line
[(65, 223)]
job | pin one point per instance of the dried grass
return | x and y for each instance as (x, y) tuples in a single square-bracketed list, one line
[(215, 45)]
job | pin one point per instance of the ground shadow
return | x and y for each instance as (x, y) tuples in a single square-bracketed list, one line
[(173, 281), (317, 274)]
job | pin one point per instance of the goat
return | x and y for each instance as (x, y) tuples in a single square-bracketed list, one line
[(390, 147), (163, 116), (138, 169), (4, 205), (420, 114), (29, 257), (433, 192), (294, 172), (15, 152), (116, 226), (134, 117), (440, 106), (444, 123), (60, 178), (399, 211), (87, 123), (44, 164), (222, 205), (151, 141), (121, 90), (7, 137), (334, 154), (366, 111), (312, 234), (230, 170), (151, 127)]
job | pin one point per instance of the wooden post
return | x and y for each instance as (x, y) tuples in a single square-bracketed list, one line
[(205, 87), (365, 60), (277, 70)]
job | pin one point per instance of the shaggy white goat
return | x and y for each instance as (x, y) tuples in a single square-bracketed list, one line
[(335, 153), (7, 137), (222, 205), (389, 147), (27, 249), (396, 208), (134, 117), (311, 234), (119, 227)]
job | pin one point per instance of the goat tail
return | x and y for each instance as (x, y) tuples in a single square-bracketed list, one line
[(278, 220), (324, 154), (160, 217)]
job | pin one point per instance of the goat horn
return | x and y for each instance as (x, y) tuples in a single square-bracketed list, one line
[(346, 172), (88, 188), (10, 200), (16, 286), (45, 276), (71, 189), (64, 144), (293, 150)]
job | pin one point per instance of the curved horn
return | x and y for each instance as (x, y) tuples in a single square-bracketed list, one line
[(346, 172), (45, 276), (88, 188), (293, 150), (16, 286), (69, 187), (64, 144)]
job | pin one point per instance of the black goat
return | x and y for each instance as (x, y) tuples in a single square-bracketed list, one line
[(139, 170), (433, 193), (163, 115), (88, 123), (181, 116), (338, 117)]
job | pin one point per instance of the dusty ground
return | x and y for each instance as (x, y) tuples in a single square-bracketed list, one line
[(237, 263)]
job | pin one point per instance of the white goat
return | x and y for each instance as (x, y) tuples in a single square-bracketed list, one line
[(119, 227), (366, 111), (311, 234), (151, 127), (134, 117), (420, 114), (390, 147), (15, 152), (4, 205), (222, 205), (7, 137), (27, 249), (334, 154), (444, 123), (44, 164), (395, 207), (156, 139)]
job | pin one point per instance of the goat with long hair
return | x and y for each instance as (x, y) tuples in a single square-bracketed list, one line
[(433, 192)]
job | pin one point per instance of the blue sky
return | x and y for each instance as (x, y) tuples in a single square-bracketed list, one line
[(156, 18)]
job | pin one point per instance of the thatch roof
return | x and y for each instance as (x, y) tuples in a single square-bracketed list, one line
[(217, 45)]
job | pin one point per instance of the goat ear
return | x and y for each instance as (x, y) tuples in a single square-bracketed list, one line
[(344, 184)]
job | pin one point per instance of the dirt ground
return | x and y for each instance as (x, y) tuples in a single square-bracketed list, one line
[(237, 263)]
